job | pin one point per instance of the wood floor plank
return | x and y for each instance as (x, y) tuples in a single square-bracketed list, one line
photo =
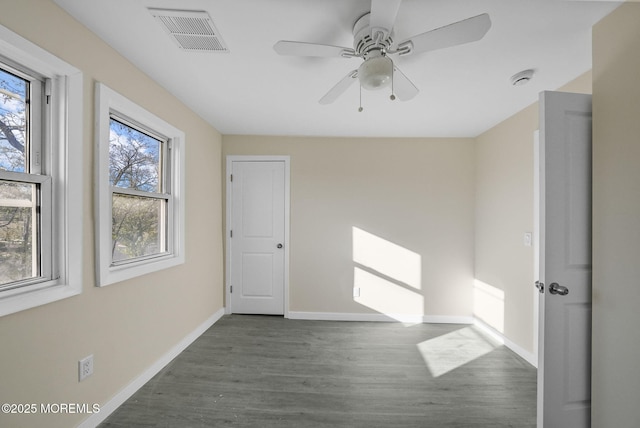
[(264, 371)]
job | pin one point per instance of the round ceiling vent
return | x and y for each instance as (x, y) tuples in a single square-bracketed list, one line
[(522, 78)]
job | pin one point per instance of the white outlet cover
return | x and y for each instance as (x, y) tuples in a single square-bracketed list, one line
[(85, 367), (527, 239)]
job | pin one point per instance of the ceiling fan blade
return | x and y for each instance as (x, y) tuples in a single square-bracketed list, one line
[(465, 31), (339, 88), (285, 47), (383, 16), (403, 88)]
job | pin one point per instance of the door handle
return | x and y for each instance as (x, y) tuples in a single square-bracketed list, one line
[(279, 245), (555, 288), (540, 286)]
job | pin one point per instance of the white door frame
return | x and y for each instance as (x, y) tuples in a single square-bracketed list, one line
[(287, 174)]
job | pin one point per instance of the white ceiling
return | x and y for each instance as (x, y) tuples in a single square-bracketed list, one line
[(464, 90)]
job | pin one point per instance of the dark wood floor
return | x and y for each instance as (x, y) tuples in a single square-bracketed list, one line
[(261, 371)]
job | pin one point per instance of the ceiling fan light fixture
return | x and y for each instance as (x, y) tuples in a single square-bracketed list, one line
[(376, 72)]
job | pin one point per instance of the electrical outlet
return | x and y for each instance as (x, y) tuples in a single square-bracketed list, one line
[(85, 367), (356, 291)]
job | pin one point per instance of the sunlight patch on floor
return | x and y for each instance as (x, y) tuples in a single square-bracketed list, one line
[(448, 352)]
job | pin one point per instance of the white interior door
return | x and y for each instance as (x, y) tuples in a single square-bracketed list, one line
[(564, 347), (257, 226)]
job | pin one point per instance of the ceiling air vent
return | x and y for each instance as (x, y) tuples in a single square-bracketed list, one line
[(191, 30)]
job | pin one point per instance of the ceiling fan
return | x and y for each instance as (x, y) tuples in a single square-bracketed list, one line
[(374, 43)]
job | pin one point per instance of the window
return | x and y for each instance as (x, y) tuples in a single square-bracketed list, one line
[(40, 176), (140, 195), (22, 205), (139, 209)]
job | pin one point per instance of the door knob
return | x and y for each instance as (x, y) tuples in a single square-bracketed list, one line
[(279, 245), (555, 288)]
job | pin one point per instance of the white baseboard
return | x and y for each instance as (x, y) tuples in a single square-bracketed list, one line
[(124, 394), (529, 357), (414, 319)]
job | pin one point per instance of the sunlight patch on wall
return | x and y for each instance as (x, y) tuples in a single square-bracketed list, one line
[(387, 277), (387, 258), (488, 304), (448, 352), (385, 296)]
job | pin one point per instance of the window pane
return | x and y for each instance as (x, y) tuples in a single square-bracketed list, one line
[(138, 227), (13, 121), (134, 158), (18, 223)]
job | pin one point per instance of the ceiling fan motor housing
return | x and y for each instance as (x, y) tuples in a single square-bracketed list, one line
[(368, 43), (372, 44)]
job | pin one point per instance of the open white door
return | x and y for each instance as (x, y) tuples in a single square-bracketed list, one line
[(257, 225), (564, 347)]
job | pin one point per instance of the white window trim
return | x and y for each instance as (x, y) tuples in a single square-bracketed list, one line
[(65, 134), (109, 101)]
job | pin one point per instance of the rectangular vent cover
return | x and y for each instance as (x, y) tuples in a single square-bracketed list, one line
[(190, 30)]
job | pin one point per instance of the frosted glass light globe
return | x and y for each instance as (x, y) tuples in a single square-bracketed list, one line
[(375, 73)]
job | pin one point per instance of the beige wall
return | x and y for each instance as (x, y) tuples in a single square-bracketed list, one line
[(414, 193), (126, 326), (616, 219), (504, 212)]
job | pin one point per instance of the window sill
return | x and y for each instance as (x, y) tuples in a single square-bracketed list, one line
[(30, 299), (123, 272)]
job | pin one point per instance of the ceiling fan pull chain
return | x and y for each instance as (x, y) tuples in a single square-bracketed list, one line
[(360, 108), (393, 69)]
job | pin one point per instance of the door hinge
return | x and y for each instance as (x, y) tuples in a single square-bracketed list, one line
[(231, 234), (231, 177), (231, 288)]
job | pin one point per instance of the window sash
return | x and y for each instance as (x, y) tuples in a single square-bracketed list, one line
[(37, 114), (44, 246), (165, 222), (139, 193), (164, 152)]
